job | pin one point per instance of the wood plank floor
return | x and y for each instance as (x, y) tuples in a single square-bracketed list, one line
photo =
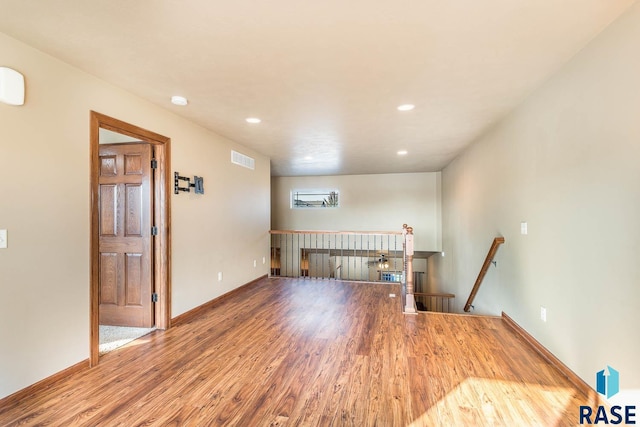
[(287, 352)]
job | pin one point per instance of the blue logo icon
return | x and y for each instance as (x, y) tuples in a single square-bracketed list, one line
[(608, 385)]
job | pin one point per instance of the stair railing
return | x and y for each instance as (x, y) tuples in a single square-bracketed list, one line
[(373, 256), (435, 301), (483, 271)]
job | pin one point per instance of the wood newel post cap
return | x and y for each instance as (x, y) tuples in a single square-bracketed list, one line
[(410, 230), (404, 225)]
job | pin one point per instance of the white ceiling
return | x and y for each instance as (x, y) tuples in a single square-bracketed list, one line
[(325, 76)]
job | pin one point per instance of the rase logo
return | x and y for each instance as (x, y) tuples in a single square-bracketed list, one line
[(609, 386)]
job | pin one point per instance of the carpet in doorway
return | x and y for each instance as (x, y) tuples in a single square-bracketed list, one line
[(112, 337)]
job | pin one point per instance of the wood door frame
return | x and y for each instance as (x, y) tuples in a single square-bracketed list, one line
[(161, 216)]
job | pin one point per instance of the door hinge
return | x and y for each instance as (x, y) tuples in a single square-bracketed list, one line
[(154, 164), (154, 231), (154, 297)]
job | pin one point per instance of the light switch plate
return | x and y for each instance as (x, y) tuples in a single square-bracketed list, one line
[(3, 239)]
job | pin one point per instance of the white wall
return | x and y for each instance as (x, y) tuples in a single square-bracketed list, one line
[(567, 161), (367, 203), (44, 204)]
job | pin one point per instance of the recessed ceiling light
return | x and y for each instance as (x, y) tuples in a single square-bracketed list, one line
[(406, 107), (402, 153), (308, 158), (253, 120), (179, 100)]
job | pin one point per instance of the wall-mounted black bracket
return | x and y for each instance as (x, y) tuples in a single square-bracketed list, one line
[(197, 184)]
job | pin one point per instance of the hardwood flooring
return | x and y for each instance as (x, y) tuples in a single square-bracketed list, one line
[(286, 352)]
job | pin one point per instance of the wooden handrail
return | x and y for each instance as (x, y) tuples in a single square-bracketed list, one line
[(434, 294), (483, 271)]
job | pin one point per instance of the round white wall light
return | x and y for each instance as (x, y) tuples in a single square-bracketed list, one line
[(11, 86)]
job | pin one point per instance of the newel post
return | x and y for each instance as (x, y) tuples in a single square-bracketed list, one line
[(410, 303)]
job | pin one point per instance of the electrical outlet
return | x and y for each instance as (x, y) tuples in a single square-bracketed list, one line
[(264, 260), (3, 239), (524, 228), (219, 276), (255, 263), (543, 314)]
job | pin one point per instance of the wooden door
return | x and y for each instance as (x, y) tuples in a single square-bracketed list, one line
[(125, 241)]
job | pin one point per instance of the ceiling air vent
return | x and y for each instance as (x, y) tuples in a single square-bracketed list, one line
[(242, 160)]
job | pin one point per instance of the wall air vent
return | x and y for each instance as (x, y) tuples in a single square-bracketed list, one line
[(242, 160)]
